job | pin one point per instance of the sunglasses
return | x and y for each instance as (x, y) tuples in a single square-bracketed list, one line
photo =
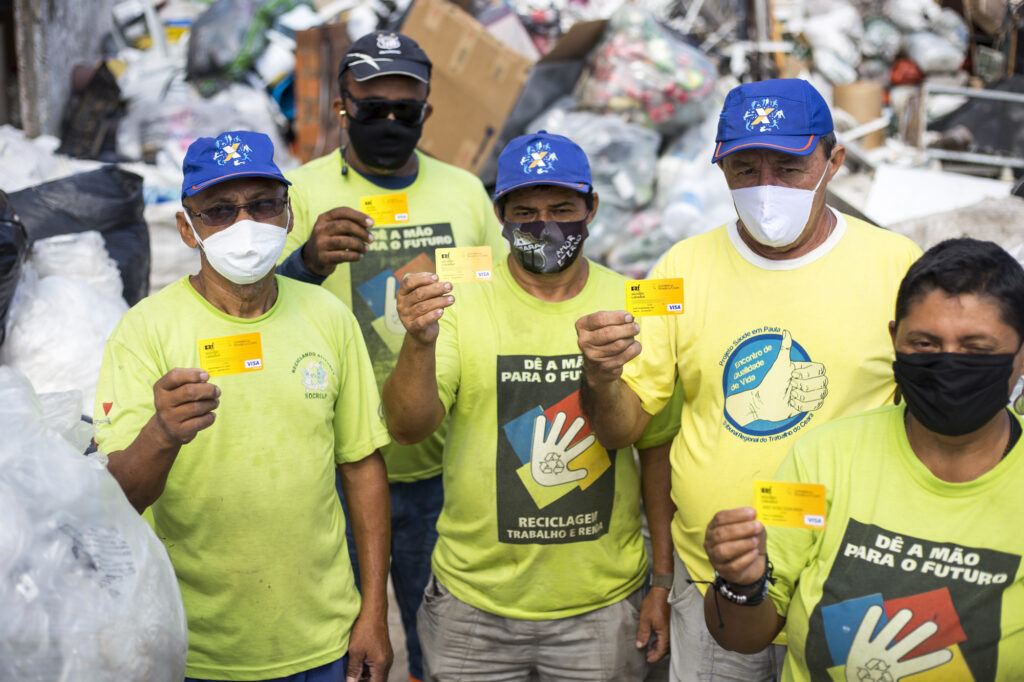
[(225, 214), (410, 111)]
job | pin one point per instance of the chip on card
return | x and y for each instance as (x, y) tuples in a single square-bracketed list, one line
[(386, 209), (463, 264), (231, 354), (654, 297), (793, 505)]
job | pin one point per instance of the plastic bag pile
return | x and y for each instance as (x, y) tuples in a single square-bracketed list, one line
[(87, 591), (67, 302)]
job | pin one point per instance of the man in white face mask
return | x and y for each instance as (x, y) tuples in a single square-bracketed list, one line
[(227, 401), (773, 339)]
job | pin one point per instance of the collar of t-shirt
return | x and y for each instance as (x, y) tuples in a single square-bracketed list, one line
[(391, 182)]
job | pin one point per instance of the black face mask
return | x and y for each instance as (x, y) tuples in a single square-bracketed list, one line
[(954, 393), (545, 246), (382, 143)]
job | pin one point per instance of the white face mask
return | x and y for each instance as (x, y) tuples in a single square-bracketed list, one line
[(244, 252), (773, 215)]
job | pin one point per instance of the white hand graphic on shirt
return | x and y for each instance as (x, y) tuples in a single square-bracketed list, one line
[(787, 389), (878, 659), (550, 455), (392, 322)]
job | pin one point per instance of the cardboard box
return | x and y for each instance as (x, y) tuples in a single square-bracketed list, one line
[(476, 78)]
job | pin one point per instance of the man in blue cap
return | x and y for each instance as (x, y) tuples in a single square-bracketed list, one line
[(539, 565), (365, 214), (781, 308), (228, 399)]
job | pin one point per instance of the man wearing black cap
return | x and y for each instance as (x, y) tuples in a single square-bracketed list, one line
[(229, 399), (365, 216), (781, 308)]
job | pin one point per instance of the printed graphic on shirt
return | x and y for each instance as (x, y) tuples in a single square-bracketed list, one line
[(771, 385), (923, 608), (314, 372), (555, 482), (395, 252)]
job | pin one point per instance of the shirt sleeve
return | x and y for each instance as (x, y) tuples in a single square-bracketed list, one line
[(447, 364), (359, 427), (293, 267), (124, 394), (791, 550), (664, 426)]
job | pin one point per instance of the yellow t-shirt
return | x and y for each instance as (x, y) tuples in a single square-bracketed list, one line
[(250, 516), (446, 207), (539, 520), (898, 538), (738, 420)]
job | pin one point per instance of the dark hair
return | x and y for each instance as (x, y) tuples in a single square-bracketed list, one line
[(967, 266), (828, 143), (500, 202)]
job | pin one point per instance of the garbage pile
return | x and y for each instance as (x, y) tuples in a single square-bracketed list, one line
[(637, 84), (86, 588)]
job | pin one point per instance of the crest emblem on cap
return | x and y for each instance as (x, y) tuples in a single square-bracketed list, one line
[(388, 41), (231, 151), (764, 115), (539, 159)]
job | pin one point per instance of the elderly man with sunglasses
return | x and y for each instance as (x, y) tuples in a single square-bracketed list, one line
[(227, 402), (367, 214)]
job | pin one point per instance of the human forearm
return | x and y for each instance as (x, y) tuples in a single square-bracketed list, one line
[(141, 469), (412, 407), (744, 629), (614, 411), (656, 488), (365, 486)]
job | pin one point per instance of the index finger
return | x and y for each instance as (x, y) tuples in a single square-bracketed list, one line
[(180, 376), (601, 319), (414, 280), (347, 213), (730, 516)]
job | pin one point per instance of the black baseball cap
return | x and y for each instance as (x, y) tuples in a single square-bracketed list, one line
[(385, 53)]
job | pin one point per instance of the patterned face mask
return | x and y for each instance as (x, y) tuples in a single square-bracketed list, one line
[(545, 246)]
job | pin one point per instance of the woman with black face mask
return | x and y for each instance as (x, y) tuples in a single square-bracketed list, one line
[(918, 568)]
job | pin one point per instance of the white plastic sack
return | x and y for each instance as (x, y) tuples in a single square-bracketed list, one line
[(933, 53), (81, 256), (87, 591), (56, 332)]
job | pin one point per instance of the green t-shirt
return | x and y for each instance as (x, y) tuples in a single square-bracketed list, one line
[(539, 520), (898, 538), (446, 207), (250, 517)]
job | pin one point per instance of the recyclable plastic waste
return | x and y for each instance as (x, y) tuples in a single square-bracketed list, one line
[(623, 159), (13, 247), (646, 74), (87, 591), (108, 200), (58, 324)]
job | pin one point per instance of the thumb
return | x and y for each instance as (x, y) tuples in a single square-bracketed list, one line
[(643, 632), (786, 345)]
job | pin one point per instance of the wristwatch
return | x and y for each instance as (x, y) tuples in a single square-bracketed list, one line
[(662, 580)]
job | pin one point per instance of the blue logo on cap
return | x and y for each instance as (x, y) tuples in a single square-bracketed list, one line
[(764, 115), (539, 158), (231, 150)]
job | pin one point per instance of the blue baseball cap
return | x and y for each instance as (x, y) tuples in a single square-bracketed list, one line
[(237, 154), (784, 114), (542, 159)]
